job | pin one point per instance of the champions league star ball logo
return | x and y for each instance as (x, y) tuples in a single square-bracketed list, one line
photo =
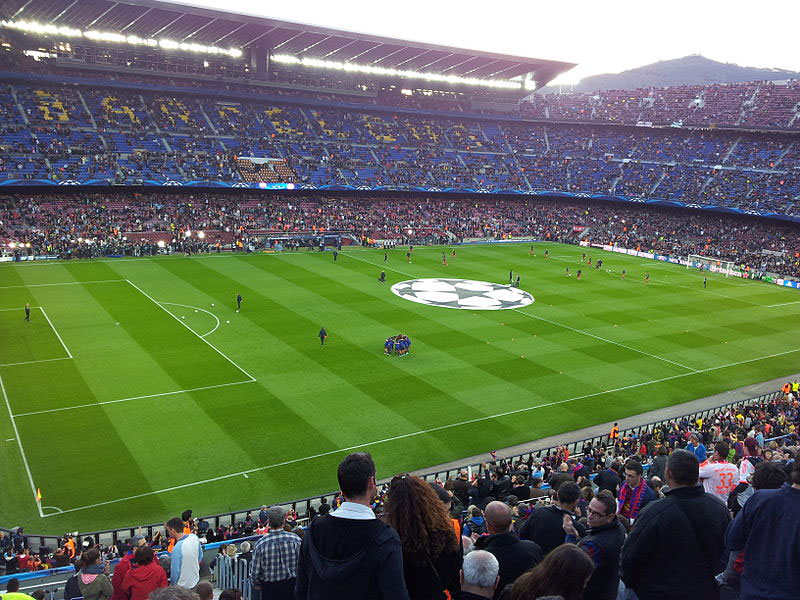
[(462, 293)]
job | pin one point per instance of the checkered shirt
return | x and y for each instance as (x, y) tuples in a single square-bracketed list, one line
[(275, 557)]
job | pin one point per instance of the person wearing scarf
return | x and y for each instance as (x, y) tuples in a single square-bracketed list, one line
[(634, 493)]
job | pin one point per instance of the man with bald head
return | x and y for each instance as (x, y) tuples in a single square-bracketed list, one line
[(514, 555)]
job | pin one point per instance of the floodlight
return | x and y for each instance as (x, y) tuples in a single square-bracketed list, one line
[(110, 36), (371, 70)]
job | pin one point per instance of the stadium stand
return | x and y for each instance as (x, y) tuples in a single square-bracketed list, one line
[(89, 134), (90, 117), (131, 225)]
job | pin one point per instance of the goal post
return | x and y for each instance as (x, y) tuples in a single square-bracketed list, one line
[(714, 265)]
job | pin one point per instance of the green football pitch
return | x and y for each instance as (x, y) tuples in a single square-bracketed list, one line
[(136, 391)]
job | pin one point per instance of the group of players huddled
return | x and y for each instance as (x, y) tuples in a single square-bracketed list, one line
[(397, 345)]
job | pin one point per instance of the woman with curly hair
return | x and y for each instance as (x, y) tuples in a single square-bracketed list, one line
[(563, 573), (432, 554)]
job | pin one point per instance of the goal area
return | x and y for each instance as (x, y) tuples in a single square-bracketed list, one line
[(715, 265)]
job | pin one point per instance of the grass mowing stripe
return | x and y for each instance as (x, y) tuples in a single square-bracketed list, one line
[(212, 346), (63, 408), (582, 332), (426, 431), (375, 366), (21, 449), (69, 354), (30, 285)]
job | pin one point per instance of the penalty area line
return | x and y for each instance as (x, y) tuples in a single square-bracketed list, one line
[(197, 389), (418, 433), (210, 345)]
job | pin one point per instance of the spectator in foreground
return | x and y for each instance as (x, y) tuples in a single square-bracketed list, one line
[(634, 493), (348, 553), (719, 477), (12, 591), (767, 476), (766, 529), (563, 573), (673, 550), (515, 556), (93, 582), (123, 566), (205, 590), (545, 525), (71, 589), (173, 593), (432, 554), (479, 576), (184, 570), (274, 566), (603, 543), (144, 576)]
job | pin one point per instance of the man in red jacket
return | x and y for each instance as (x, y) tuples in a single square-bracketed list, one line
[(123, 566), (144, 576)]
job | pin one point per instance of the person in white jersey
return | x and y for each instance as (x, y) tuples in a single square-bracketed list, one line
[(719, 477)]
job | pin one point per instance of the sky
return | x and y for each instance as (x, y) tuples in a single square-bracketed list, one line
[(602, 37)]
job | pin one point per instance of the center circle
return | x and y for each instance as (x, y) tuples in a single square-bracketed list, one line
[(464, 294)]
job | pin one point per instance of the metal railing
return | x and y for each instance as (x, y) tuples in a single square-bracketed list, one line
[(303, 505), (233, 573)]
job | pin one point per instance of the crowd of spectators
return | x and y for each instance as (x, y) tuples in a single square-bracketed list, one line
[(80, 133), (90, 225)]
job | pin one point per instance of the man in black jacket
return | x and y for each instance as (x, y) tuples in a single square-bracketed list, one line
[(609, 479), (603, 543), (562, 476), (545, 526), (348, 553), (514, 555), (673, 550)]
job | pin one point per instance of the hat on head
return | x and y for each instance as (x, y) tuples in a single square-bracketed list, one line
[(136, 540)]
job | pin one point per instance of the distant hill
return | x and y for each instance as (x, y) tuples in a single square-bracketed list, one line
[(689, 70)]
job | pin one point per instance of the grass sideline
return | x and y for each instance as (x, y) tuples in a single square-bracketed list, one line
[(146, 393)]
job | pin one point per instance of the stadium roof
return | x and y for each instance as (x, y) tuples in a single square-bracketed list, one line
[(183, 23)]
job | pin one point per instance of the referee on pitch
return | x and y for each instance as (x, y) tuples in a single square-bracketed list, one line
[(28, 312)]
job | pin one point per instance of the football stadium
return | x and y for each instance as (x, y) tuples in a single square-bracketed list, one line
[(236, 253)]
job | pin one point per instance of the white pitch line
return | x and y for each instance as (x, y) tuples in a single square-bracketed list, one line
[(197, 389), (208, 312), (705, 291), (69, 354), (21, 449), (8, 287), (33, 362), (582, 332), (212, 346), (16, 308), (781, 304), (564, 326), (421, 432)]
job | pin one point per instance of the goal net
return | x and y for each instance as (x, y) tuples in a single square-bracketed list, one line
[(714, 265)]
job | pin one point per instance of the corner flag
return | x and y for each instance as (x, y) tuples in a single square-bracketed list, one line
[(38, 495)]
